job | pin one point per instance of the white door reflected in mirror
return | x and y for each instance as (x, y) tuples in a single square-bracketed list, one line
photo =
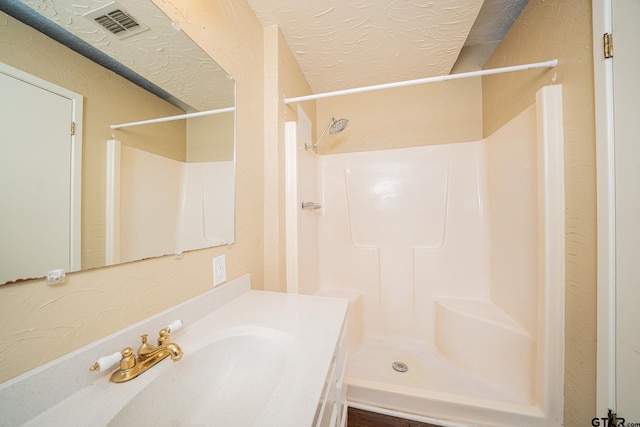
[(36, 187)]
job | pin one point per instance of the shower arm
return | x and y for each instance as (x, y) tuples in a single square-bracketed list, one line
[(314, 146)]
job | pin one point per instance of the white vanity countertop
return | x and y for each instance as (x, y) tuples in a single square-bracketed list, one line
[(308, 326)]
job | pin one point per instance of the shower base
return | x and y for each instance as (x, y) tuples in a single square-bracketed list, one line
[(431, 387)]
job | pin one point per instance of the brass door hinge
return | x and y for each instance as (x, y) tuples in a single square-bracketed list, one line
[(73, 128), (607, 41)]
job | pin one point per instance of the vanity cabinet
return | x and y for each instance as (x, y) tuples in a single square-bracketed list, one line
[(332, 408), (236, 340)]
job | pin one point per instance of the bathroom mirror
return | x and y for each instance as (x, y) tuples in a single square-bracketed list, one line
[(172, 76)]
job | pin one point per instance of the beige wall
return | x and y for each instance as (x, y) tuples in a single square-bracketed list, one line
[(40, 323), (562, 30), (211, 138), (283, 78), (436, 113), (291, 82), (108, 99)]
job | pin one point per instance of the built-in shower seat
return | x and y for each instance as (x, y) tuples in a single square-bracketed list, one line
[(480, 337)]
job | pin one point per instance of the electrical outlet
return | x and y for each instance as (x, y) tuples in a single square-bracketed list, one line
[(55, 276), (219, 270)]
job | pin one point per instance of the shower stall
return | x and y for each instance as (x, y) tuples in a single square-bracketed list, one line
[(452, 257)]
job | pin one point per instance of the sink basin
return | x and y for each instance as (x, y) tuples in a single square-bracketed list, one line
[(223, 383)]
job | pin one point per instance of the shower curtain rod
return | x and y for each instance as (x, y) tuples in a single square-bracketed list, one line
[(178, 117), (546, 64)]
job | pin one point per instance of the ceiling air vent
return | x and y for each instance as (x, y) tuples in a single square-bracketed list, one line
[(116, 20)]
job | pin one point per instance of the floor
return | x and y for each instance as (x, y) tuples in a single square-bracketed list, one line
[(360, 418), (428, 370)]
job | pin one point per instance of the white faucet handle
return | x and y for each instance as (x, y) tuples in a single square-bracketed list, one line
[(105, 362), (174, 326)]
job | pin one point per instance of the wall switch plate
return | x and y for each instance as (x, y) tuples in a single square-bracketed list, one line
[(219, 270)]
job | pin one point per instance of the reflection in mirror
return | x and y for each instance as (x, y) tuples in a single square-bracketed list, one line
[(147, 190)]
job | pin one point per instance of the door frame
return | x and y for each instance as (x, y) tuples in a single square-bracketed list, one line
[(606, 211), (76, 157)]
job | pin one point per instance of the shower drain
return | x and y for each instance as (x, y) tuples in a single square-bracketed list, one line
[(400, 366)]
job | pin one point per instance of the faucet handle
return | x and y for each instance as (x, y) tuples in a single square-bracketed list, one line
[(105, 362), (128, 360), (174, 326), (163, 337)]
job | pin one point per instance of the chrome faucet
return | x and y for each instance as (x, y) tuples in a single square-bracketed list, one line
[(148, 356)]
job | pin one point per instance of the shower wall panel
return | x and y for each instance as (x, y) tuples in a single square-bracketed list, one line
[(163, 206), (149, 204), (306, 191), (513, 209), (206, 216), (453, 258), (404, 226)]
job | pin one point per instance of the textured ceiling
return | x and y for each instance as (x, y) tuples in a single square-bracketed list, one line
[(162, 54), (343, 44), (339, 44)]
